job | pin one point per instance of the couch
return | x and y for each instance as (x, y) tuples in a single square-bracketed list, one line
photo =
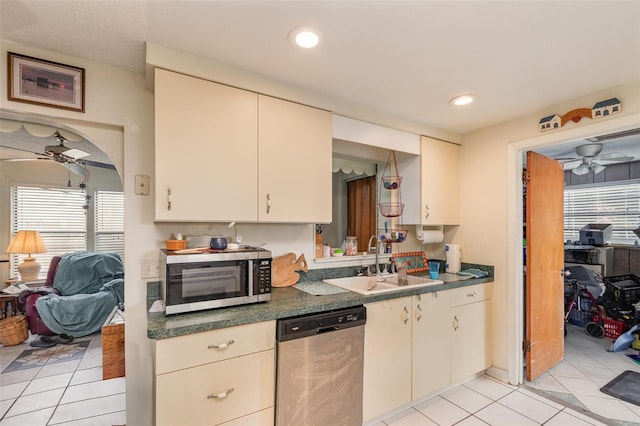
[(80, 291)]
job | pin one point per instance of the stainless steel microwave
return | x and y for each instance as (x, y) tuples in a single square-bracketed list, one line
[(194, 282)]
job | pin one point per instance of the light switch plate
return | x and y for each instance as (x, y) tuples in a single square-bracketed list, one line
[(142, 184)]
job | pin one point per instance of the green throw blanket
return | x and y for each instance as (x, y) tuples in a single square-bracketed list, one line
[(91, 284)]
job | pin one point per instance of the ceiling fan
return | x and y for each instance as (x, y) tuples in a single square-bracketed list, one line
[(71, 158), (591, 158)]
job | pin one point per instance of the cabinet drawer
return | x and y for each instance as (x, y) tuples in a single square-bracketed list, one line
[(192, 350), (470, 294), (262, 418), (187, 396)]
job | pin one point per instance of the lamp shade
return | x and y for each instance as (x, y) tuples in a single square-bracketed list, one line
[(26, 242)]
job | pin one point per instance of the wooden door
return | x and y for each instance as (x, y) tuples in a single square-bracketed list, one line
[(361, 210), (544, 293)]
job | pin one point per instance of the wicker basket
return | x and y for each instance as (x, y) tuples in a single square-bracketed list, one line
[(13, 330)]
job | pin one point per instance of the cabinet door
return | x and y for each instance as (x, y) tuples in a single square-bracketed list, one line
[(431, 343), (470, 340), (217, 392), (440, 182), (294, 162), (206, 150), (387, 356)]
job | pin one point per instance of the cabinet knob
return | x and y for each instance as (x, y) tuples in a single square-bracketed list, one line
[(222, 345), (221, 395)]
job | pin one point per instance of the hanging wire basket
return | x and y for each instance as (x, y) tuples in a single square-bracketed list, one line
[(392, 209), (391, 182)]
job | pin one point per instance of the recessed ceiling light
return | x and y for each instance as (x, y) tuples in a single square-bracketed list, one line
[(463, 100), (305, 37)]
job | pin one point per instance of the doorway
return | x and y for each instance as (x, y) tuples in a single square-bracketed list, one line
[(515, 258)]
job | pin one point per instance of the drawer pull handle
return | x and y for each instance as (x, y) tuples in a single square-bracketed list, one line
[(222, 395), (471, 294), (222, 345)]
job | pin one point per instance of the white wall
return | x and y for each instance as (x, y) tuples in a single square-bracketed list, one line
[(491, 203)]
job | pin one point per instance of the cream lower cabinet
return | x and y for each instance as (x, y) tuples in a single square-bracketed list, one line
[(431, 359), (416, 345), (440, 182), (471, 335), (224, 376), (387, 356)]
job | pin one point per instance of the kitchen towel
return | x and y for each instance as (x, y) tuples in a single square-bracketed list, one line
[(452, 258)]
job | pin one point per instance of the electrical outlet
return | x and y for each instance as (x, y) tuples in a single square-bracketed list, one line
[(150, 268)]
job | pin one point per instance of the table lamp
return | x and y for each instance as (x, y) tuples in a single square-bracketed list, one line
[(27, 242)]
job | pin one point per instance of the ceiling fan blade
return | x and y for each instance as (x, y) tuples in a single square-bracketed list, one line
[(97, 164), (76, 168), (614, 157), (75, 153)]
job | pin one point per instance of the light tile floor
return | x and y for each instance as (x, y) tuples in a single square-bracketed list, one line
[(73, 393), (62, 393), (566, 395)]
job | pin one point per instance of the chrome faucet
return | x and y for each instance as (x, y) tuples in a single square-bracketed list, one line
[(375, 265)]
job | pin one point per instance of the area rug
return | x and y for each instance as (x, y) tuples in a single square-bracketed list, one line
[(38, 357), (625, 387)]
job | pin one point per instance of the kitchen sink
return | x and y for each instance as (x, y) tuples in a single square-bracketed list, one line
[(383, 283)]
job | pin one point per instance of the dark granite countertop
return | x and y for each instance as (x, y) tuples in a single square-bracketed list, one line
[(285, 302)]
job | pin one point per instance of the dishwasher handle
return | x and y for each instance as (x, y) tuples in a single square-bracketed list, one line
[(329, 329)]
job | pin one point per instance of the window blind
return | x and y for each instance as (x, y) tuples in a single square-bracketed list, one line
[(109, 221), (59, 216), (617, 204)]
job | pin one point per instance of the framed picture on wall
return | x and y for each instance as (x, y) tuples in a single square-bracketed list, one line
[(40, 82)]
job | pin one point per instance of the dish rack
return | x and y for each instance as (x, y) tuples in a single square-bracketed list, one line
[(390, 203)]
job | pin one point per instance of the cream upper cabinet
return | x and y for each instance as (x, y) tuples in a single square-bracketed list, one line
[(431, 343), (226, 154), (294, 162), (206, 150), (440, 182), (387, 356)]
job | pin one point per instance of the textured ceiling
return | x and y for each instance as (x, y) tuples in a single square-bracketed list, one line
[(399, 59)]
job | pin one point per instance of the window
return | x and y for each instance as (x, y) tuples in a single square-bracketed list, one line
[(59, 216), (617, 204), (109, 221), (64, 221)]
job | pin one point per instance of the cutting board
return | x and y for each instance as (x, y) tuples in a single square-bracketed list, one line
[(283, 269)]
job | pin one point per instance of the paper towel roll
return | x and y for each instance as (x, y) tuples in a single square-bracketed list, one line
[(452, 258), (430, 234)]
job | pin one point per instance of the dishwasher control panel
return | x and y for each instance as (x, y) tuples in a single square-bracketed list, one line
[(323, 322)]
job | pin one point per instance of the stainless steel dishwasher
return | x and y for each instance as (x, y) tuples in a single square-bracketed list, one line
[(320, 368)]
